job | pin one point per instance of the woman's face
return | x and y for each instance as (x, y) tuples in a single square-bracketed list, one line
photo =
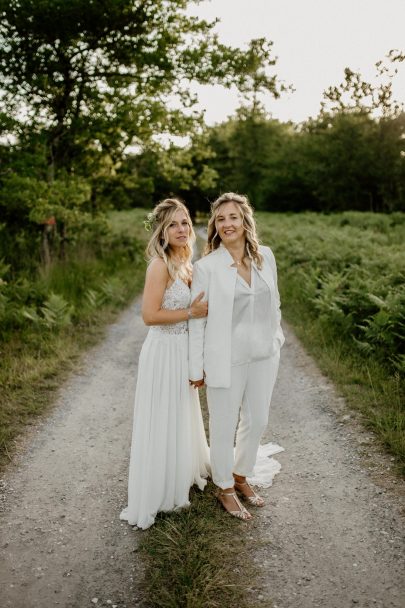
[(178, 231), (229, 224)]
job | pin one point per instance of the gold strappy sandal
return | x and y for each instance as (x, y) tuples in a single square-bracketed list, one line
[(255, 500), (242, 513)]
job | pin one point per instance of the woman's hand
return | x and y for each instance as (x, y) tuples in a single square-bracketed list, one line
[(196, 383), (198, 309)]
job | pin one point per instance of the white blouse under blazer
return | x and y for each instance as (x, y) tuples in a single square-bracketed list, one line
[(210, 339), (250, 333)]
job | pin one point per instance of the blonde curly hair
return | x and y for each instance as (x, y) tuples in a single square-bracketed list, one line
[(249, 224), (159, 221)]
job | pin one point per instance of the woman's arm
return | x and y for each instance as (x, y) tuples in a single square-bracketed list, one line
[(157, 277), (273, 265)]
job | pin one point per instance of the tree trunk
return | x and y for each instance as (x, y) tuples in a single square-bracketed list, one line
[(45, 247), (63, 239)]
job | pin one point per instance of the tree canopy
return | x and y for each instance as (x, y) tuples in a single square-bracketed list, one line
[(96, 76), (85, 80)]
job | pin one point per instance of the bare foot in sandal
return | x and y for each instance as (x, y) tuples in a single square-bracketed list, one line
[(247, 492), (231, 503)]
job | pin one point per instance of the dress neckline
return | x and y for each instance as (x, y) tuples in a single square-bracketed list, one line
[(175, 281)]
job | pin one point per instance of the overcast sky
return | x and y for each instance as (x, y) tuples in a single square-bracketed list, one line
[(314, 41)]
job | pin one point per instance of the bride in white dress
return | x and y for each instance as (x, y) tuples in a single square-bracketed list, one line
[(169, 451)]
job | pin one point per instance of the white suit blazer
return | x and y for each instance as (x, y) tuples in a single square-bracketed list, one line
[(210, 338)]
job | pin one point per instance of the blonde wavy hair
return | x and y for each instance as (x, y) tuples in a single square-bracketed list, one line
[(249, 224), (159, 221)]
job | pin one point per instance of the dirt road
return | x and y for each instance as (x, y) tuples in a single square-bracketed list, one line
[(330, 536)]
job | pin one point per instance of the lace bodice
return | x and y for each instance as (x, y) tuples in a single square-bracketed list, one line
[(176, 296)]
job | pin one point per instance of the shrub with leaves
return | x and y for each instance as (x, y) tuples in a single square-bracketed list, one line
[(350, 270)]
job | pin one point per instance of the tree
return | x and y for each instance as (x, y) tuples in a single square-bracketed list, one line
[(355, 94), (96, 76), (85, 80), (380, 161)]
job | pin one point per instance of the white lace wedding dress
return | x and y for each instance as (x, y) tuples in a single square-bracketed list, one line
[(169, 451)]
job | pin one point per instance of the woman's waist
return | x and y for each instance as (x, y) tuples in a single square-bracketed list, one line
[(175, 331)]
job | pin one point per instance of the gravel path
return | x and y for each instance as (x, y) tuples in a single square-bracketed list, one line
[(330, 536)]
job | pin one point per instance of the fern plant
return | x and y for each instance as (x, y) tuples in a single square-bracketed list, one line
[(55, 313)]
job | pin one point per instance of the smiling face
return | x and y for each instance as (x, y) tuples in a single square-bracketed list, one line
[(229, 224), (178, 231)]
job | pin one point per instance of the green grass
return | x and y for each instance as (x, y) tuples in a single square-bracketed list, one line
[(341, 280), (37, 354), (198, 558)]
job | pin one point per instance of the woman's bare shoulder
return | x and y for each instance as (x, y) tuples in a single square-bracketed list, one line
[(157, 268)]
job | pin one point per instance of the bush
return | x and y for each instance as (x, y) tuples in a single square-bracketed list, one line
[(350, 271)]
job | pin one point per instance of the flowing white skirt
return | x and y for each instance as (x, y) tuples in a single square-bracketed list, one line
[(169, 451)]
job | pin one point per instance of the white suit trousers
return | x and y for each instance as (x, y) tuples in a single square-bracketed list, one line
[(247, 400)]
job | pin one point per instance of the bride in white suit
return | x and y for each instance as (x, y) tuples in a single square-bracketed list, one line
[(235, 351)]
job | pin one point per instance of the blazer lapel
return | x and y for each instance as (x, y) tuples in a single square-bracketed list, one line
[(226, 274)]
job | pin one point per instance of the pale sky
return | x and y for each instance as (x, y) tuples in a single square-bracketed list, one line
[(314, 41)]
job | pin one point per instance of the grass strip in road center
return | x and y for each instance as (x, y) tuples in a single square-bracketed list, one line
[(198, 558)]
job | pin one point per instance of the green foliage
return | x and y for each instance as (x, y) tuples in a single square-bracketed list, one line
[(246, 150), (47, 317), (355, 162), (342, 281), (188, 562), (82, 85), (54, 314), (356, 95), (350, 271), (351, 156), (70, 289), (93, 79), (332, 163), (40, 200)]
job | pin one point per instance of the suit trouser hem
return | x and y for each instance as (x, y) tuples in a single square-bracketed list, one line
[(224, 485)]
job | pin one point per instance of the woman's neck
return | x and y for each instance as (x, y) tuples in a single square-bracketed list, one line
[(177, 253), (237, 250)]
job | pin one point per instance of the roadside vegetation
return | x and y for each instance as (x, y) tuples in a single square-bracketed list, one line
[(47, 317), (342, 282)]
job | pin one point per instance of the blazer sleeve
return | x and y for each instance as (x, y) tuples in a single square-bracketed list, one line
[(279, 331), (196, 327)]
